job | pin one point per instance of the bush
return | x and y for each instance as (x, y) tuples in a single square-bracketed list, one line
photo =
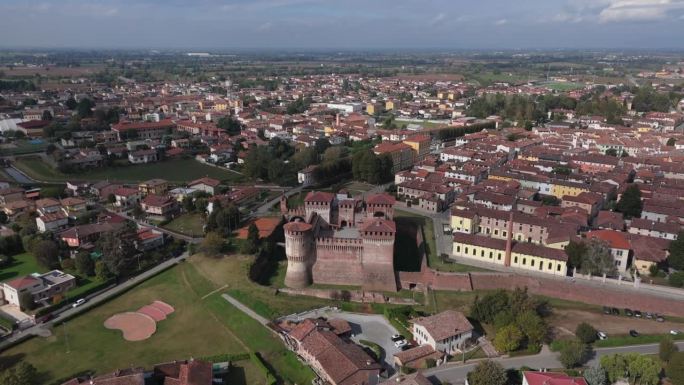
[(676, 279), (261, 365), (586, 333), (573, 354)]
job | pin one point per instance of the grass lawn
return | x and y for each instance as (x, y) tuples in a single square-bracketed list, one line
[(175, 170), (424, 123), (19, 147), (624, 340), (191, 224), (196, 329), (567, 86), (23, 264)]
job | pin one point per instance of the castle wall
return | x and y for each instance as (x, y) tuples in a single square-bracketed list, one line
[(338, 261)]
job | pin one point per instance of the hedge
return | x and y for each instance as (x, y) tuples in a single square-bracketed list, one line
[(225, 357), (7, 323), (258, 361)]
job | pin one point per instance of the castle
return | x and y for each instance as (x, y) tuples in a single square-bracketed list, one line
[(338, 240)]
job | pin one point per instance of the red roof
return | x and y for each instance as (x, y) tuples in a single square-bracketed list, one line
[(125, 126), (380, 225), (616, 239), (207, 181), (381, 199), (22, 282), (548, 378)]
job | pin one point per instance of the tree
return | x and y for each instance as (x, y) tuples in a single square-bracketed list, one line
[(573, 353), (3, 218), (486, 308), (46, 253), (671, 142), (585, 333), (630, 204), (597, 259), (85, 264), (101, 271), (667, 348), (251, 244), (84, 108), (111, 198), (643, 370), (676, 279), (595, 375), (575, 252), (532, 326), (71, 103), (118, 251), (675, 368), (230, 125), (21, 374), (46, 115), (615, 366), (611, 152), (212, 244), (676, 257), (508, 339), (488, 373)]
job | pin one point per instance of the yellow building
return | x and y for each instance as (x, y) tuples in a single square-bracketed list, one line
[(526, 256), (420, 144), (561, 189), (328, 130), (390, 105), (463, 221), (373, 108)]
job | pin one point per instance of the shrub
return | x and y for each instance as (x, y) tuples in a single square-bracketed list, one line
[(585, 333)]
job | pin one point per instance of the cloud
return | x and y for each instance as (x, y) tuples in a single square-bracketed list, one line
[(267, 26), (640, 10), (438, 19), (501, 22)]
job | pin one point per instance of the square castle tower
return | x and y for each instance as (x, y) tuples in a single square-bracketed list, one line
[(338, 240)]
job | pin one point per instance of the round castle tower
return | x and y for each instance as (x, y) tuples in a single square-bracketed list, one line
[(299, 245)]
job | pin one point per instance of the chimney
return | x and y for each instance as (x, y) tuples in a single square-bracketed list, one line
[(509, 240), (337, 120)]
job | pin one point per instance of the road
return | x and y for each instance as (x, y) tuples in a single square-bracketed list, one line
[(168, 232), (94, 300), (455, 373)]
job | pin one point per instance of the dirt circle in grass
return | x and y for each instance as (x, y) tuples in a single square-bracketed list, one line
[(134, 326)]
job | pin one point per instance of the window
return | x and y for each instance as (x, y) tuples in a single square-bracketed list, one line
[(532, 262), (499, 256), (619, 253), (504, 233), (496, 232), (551, 266), (491, 255), (524, 261), (466, 250), (481, 253), (516, 260), (458, 249)]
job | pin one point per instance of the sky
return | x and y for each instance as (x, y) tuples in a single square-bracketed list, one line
[(343, 24)]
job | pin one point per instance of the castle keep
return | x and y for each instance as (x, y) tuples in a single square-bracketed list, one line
[(338, 240)]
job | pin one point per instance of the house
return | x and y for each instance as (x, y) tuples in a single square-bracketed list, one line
[(335, 359), (73, 206), (448, 331), (192, 372), (10, 194), (77, 188), (51, 222), (305, 176), (48, 206), (409, 379), (143, 130), (417, 357), (161, 206), (206, 184), (654, 229), (619, 247), (42, 287), (550, 378), (126, 197), (148, 239), (103, 189), (143, 156), (19, 207), (80, 235), (266, 226), (648, 251), (402, 154), (154, 186)]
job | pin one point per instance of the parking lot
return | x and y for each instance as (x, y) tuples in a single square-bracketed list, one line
[(611, 324), (370, 327)]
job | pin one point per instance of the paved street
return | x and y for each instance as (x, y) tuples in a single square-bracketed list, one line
[(94, 300), (245, 309), (455, 373)]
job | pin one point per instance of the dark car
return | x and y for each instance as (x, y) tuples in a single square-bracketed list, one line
[(615, 311), (659, 318), (634, 333), (637, 313), (628, 313), (606, 310), (397, 337)]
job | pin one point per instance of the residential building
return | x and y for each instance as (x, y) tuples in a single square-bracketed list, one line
[(160, 206), (448, 331), (143, 156), (206, 184), (153, 186), (42, 287)]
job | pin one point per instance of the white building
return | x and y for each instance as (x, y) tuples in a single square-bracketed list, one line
[(52, 222), (446, 332), (42, 287)]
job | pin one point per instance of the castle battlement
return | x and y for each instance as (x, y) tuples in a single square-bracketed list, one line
[(364, 229)]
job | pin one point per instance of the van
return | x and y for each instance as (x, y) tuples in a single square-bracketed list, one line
[(79, 302)]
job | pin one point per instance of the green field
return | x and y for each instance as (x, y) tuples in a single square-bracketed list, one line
[(23, 264), (191, 224), (564, 86), (175, 170), (203, 324), (22, 147)]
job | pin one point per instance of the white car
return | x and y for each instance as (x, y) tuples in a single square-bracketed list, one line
[(400, 343), (674, 332), (79, 302), (601, 335)]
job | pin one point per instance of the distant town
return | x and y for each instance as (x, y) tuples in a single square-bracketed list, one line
[(478, 218)]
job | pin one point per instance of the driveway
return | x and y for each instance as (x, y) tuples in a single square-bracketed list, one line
[(370, 327)]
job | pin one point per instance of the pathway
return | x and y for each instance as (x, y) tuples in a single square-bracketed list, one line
[(246, 310)]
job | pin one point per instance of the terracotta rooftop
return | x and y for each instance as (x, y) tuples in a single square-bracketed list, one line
[(445, 324)]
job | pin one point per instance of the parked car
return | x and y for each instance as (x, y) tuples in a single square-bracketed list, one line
[(674, 332), (659, 318), (637, 313), (79, 302), (400, 343), (606, 310), (601, 335), (397, 337), (648, 315), (615, 311), (628, 313), (634, 333)]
